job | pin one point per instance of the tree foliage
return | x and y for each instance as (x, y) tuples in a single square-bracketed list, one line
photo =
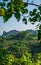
[(19, 8), (19, 52)]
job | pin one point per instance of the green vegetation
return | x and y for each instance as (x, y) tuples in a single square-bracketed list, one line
[(21, 49)]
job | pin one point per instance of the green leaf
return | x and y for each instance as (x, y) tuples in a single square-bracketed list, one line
[(34, 10), (32, 13), (40, 18), (24, 20), (33, 19), (24, 11), (25, 4), (6, 17), (30, 19), (40, 27), (4, 4), (39, 8), (1, 4), (17, 16), (9, 4)]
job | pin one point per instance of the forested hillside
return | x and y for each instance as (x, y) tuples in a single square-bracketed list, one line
[(20, 49)]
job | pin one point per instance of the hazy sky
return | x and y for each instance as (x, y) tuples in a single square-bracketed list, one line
[(12, 23)]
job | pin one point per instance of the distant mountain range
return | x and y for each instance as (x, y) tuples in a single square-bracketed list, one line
[(14, 32)]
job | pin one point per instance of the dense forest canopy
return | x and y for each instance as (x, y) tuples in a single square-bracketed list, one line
[(20, 49)]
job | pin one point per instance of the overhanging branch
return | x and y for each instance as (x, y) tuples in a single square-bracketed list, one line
[(31, 4)]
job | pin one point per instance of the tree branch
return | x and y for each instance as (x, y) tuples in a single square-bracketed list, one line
[(31, 4)]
